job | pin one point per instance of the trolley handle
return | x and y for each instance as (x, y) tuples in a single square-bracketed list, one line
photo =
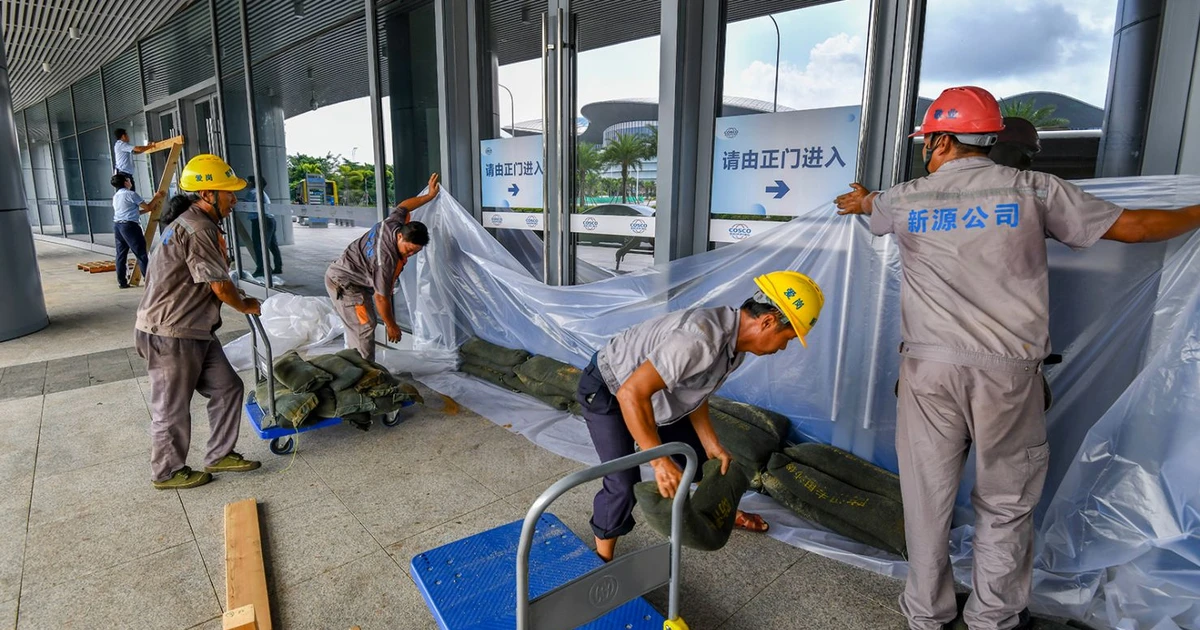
[(264, 364), (560, 487)]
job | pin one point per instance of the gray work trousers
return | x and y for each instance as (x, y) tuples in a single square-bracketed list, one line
[(359, 335), (944, 408), (178, 367)]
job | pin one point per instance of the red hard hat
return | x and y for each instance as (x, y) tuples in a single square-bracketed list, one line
[(966, 110)]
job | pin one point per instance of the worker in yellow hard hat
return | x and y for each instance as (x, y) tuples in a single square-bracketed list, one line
[(645, 381), (176, 331)]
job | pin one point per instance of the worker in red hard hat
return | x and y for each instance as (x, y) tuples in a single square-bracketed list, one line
[(1016, 144), (975, 324)]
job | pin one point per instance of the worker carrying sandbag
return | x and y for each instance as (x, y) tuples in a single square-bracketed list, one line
[(361, 281), (176, 332), (975, 323), (650, 385)]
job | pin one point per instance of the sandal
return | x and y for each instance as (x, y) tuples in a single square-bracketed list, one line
[(750, 522)]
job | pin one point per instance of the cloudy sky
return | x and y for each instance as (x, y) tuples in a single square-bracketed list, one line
[(1007, 47)]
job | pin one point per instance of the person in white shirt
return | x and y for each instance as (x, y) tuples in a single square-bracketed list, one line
[(251, 212), (123, 155), (127, 206)]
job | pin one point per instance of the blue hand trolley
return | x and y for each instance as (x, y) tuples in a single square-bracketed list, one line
[(485, 581), (282, 441)]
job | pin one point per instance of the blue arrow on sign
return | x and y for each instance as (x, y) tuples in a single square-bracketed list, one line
[(514, 190), (780, 189)]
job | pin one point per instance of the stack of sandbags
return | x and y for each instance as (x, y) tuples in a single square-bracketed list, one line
[(834, 489), (492, 363), (342, 385), (708, 514), (750, 434), (552, 382)]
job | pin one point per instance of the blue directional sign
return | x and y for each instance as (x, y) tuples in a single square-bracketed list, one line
[(511, 172), (783, 164)]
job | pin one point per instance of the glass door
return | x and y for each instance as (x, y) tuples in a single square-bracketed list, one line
[(165, 124)]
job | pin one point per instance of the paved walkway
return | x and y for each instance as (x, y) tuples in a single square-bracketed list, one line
[(86, 542)]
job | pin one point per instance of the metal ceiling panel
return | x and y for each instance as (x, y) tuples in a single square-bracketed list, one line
[(37, 32), (179, 55), (328, 69), (278, 25)]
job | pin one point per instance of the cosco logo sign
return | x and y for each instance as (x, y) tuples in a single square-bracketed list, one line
[(488, 150), (603, 591), (638, 226), (731, 133), (739, 231), (497, 219), (590, 224), (532, 221)]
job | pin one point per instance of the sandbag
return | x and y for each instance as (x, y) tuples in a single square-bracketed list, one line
[(493, 377), (768, 421), (538, 388), (560, 403), (345, 374), (326, 403), (491, 365), (708, 514), (866, 517), (290, 409), (575, 408), (360, 421), (412, 392), (299, 375), (847, 468), (492, 353), (748, 444), (551, 374), (395, 400), (351, 402), (374, 375)]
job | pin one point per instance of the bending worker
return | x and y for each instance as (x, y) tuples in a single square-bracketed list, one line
[(975, 324), (650, 385), (176, 331), (360, 282)]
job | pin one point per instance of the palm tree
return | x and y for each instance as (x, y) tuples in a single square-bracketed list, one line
[(589, 162), (650, 139), (1041, 117), (626, 150)]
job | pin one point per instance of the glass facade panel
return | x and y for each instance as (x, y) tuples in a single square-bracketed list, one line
[(1052, 67), (95, 154), (788, 126), (70, 185)]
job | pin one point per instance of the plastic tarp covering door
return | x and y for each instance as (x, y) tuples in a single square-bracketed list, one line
[(1118, 544)]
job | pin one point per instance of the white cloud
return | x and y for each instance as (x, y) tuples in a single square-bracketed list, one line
[(832, 77)]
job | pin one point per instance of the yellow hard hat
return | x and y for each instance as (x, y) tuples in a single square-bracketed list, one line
[(796, 296), (209, 172)]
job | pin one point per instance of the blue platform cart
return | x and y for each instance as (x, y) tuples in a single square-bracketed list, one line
[(282, 441), (485, 581)]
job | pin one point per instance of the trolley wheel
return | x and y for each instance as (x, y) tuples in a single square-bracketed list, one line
[(282, 446), (392, 419)]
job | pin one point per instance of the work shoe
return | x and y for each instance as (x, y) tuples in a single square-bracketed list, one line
[(183, 478), (233, 463)]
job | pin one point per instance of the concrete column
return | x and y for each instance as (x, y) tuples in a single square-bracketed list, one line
[(1130, 84), (22, 305)]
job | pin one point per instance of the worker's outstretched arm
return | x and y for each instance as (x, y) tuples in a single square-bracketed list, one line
[(638, 411), (857, 201), (1150, 225), (413, 203), (228, 293), (148, 206), (142, 148), (383, 306), (702, 423)]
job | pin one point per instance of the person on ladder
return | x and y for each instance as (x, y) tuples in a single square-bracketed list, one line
[(361, 281), (176, 330), (650, 384)]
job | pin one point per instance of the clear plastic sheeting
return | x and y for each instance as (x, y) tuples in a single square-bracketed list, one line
[(1119, 538), (292, 322)]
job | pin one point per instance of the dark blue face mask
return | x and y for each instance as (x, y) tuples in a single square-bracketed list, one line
[(927, 149)]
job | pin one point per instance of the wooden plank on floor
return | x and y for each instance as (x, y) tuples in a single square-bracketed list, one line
[(245, 574), (239, 619)]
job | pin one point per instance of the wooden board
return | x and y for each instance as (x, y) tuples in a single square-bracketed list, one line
[(245, 575), (98, 266), (239, 619), (164, 184)]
